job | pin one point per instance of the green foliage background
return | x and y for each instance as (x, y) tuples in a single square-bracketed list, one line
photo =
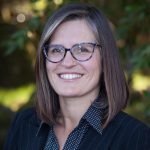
[(21, 24)]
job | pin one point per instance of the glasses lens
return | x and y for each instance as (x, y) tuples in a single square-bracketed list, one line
[(83, 51), (55, 53)]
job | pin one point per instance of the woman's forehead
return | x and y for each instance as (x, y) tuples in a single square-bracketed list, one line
[(74, 31)]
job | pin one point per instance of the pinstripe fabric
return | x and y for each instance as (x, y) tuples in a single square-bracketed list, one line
[(123, 133)]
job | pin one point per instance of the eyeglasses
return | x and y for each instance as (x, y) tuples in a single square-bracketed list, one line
[(81, 52)]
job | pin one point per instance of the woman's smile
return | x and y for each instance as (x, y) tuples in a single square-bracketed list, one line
[(70, 76)]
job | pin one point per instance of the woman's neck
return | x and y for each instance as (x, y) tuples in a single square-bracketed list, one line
[(72, 110)]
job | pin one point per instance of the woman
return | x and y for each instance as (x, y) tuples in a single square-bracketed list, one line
[(81, 90)]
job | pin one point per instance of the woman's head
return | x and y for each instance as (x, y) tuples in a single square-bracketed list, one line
[(73, 60), (112, 82)]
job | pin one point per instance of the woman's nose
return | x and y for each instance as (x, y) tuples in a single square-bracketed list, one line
[(69, 61)]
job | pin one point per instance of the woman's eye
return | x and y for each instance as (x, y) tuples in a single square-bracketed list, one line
[(56, 50), (84, 50)]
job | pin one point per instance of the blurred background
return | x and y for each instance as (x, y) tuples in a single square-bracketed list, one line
[(21, 24)]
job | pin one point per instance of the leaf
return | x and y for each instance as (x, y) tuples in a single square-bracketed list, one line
[(147, 95), (16, 41), (10, 47), (34, 23)]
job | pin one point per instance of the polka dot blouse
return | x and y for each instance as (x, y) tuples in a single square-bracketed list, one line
[(91, 118)]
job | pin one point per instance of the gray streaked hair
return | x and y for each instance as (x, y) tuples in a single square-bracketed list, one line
[(113, 85)]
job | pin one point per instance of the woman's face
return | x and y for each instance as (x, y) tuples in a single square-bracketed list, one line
[(72, 78)]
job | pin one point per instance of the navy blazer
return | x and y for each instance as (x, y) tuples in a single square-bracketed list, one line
[(123, 133)]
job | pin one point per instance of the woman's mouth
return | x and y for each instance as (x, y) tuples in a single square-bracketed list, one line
[(70, 76)]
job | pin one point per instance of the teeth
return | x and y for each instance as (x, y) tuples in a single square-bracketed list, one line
[(70, 76)]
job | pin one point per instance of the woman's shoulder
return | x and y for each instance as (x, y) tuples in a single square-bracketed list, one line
[(28, 115), (125, 120), (22, 130), (26, 112), (129, 132)]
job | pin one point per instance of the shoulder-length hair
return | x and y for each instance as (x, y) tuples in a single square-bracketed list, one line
[(113, 83)]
